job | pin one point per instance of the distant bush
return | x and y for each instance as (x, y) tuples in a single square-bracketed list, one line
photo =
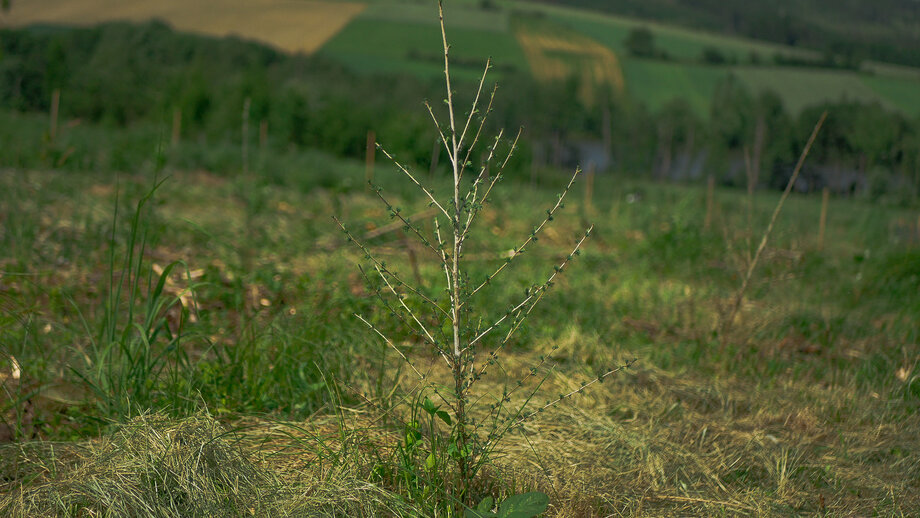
[(640, 42), (713, 56)]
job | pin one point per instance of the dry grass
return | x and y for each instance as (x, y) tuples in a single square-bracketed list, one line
[(296, 26), (650, 443), (645, 444), (156, 466)]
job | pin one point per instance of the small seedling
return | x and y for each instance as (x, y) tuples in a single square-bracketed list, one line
[(466, 342), (525, 505)]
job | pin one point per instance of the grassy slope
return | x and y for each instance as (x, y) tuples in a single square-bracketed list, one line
[(405, 37), (301, 26), (678, 42), (388, 33), (812, 406)]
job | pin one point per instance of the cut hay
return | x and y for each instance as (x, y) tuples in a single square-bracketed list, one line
[(156, 466)]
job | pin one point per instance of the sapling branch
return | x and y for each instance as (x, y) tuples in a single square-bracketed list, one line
[(416, 182), (445, 262), (408, 224), (392, 345), (423, 379), (482, 123), (506, 394), (533, 293), (477, 202), (500, 171), (569, 394), (408, 311), (473, 112), (519, 250), (440, 132), (472, 199), (383, 267)]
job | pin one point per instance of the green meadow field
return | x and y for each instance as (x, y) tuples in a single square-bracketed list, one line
[(807, 405), (398, 36)]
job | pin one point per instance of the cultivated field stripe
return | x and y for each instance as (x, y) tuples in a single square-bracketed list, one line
[(557, 55), (291, 25)]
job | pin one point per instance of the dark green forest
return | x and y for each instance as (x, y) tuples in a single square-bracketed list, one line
[(847, 30), (137, 76)]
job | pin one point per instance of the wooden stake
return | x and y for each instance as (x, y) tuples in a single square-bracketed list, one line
[(176, 127), (605, 131), (55, 104), (760, 136), (263, 135), (557, 150), (413, 260), (534, 163), (370, 156), (665, 143), (710, 194), (245, 146), (435, 156), (589, 188), (822, 223)]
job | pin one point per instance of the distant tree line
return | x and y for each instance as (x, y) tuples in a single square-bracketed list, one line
[(119, 74), (640, 43), (848, 30)]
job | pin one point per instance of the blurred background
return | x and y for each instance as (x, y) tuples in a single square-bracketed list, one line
[(657, 89)]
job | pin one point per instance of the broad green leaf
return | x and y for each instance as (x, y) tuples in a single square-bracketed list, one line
[(429, 406), (412, 433), (444, 416), (526, 505), (483, 510)]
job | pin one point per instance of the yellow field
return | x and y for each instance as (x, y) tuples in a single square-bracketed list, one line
[(292, 25), (556, 56)]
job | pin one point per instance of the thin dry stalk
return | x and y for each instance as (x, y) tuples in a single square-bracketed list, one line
[(729, 318), (245, 131), (369, 156), (710, 195), (176, 127), (55, 104), (822, 222)]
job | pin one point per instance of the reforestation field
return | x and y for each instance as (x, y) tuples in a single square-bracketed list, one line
[(219, 297), (231, 298)]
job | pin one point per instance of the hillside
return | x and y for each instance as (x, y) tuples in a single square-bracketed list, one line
[(396, 35), (882, 30), (293, 26), (399, 36), (689, 104)]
